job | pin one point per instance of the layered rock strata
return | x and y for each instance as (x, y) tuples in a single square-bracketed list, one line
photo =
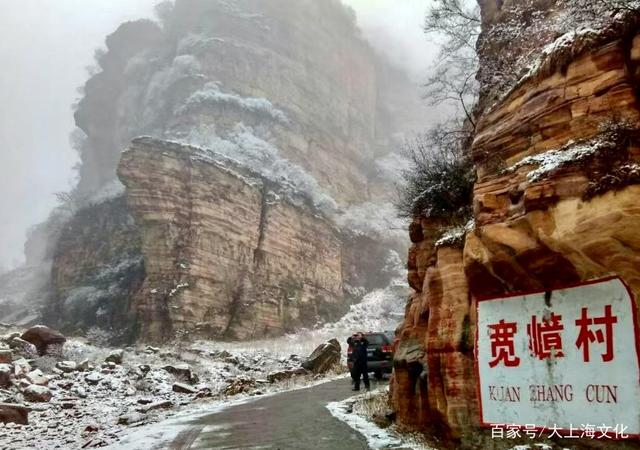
[(225, 253), (288, 94), (556, 201)]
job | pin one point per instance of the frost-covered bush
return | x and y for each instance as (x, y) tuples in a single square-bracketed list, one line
[(440, 182), (541, 36)]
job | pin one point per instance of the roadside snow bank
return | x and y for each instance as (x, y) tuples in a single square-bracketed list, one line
[(377, 438)]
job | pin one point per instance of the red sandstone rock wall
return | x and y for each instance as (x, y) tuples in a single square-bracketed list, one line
[(225, 256), (540, 222)]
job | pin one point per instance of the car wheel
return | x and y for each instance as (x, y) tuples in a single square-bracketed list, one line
[(378, 374)]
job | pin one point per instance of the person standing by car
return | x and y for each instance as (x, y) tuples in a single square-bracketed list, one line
[(359, 345)]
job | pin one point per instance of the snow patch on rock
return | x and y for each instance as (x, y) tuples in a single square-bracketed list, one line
[(551, 160), (212, 95)]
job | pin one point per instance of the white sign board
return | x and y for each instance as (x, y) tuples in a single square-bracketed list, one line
[(565, 359)]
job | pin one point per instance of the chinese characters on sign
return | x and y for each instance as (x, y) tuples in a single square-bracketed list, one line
[(560, 358), (584, 431)]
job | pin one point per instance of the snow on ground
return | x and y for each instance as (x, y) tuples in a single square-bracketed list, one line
[(102, 403), (156, 436), (359, 420), (379, 310), (99, 404)]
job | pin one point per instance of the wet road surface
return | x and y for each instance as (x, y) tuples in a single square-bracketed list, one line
[(290, 420)]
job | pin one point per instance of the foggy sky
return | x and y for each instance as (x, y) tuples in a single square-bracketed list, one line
[(45, 48)]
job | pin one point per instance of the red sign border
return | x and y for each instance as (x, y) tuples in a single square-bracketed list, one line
[(561, 431)]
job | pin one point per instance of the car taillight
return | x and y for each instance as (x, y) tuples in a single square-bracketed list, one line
[(387, 349)]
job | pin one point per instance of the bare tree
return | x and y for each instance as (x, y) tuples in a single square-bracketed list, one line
[(456, 24), (440, 181)]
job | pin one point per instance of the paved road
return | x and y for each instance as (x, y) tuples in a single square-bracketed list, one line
[(290, 420)]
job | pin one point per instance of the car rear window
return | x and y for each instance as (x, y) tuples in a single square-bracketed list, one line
[(376, 339), (391, 335)]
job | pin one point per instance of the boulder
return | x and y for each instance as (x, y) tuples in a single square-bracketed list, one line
[(67, 366), (93, 378), (14, 413), (22, 347), (324, 357), (231, 360), (183, 388), (80, 391), (43, 338), (157, 405), (285, 374), (91, 428), (8, 337), (65, 384), (131, 418), (5, 375), (6, 355), (239, 385), (115, 357), (21, 368), (83, 365), (37, 377), (204, 392), (182, 371), (36, 393), (67, 404)]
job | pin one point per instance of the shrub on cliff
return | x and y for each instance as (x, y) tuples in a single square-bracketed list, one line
[(439, 183)]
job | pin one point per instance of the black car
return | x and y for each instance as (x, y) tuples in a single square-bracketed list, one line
[(379, 353)]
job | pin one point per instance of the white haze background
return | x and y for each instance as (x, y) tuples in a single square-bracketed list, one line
[(46, 47)]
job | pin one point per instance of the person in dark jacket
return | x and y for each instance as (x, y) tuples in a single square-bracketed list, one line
[(359, 345)]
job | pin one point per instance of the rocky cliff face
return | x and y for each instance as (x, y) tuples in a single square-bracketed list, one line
[(98, 266), (556, 201), (245, 209), (226, 253), (295, 75)]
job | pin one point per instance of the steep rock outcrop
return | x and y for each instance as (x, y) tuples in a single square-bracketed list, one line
[(226, 254), (97, 266), (286, 91), (555, 202), (296, 73)]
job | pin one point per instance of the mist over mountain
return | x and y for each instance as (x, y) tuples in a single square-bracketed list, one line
[(47, 68)]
